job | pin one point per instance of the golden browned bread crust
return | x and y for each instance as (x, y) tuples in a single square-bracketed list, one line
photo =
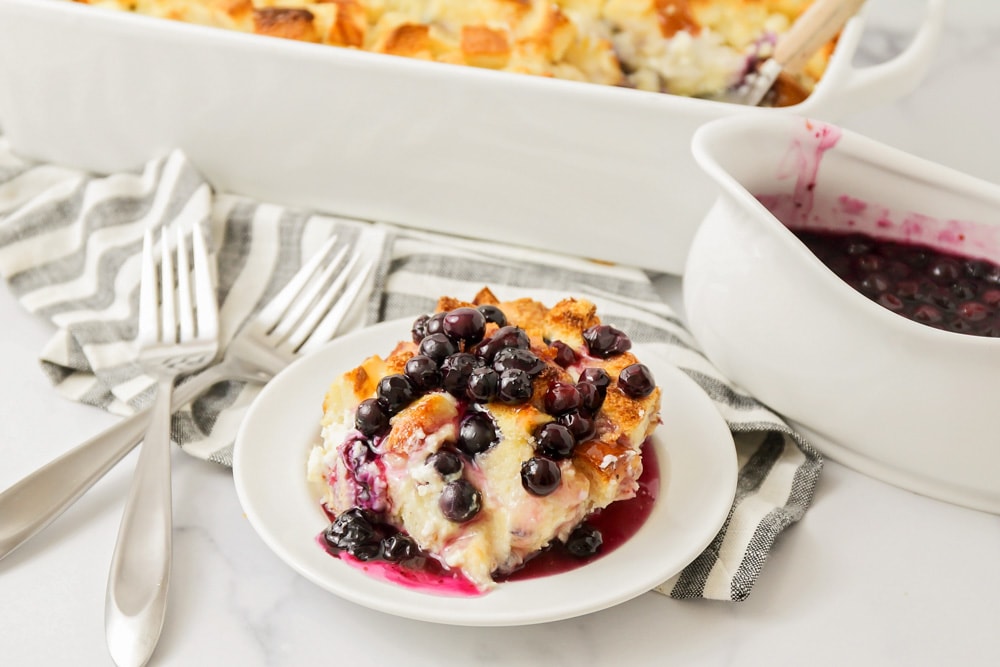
[(686, 47), (288, 23)]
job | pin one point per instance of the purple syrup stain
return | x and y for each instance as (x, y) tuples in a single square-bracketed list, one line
[(953, 233), (972, 239), (851, 206), (365, 472), (802, 160), (429, 579), (950, 236), (912, 229)]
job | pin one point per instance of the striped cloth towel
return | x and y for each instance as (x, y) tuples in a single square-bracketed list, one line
[(69, 245)]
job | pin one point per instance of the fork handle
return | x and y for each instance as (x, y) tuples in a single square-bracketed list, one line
[(136, 600), (35, 501)]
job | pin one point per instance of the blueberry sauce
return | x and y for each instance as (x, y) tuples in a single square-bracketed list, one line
[(616, 523), (933, 287), (431, 577)]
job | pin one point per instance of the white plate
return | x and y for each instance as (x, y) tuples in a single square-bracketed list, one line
[(697, 472)]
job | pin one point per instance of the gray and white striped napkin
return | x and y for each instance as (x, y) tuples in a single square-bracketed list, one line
[(69, 246)]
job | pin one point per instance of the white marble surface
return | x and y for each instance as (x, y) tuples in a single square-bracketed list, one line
[(872, 575)]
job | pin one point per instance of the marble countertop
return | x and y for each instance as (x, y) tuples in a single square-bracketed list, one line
[(872, 575)]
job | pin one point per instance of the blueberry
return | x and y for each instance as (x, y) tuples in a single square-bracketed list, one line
[(891, 301), (437, 346), (419, 328), (857, 244), (597, 377), (927, 314), (507, 336), (367, 551), (395, 392), (493, 314), (477, 433), (515, 357), (958, 325), (352, 529), (907, 289), (554, 441), (561, 398), (917, 257), (975, 268), (540, 476), (465, 325), (963, 290), (636, 381), (944, 270), (992, 274), (973, 311), (515, 387), (435, 324), (445, 462), (869, 263), (455, 372), (484, 382), (604, 340), (370, 418), (591, 398), (423, 372), (874, 284), (942, 296), (584, 541), (399, 548), (460, 501), (565, 356), (899, 270), (581, 426)]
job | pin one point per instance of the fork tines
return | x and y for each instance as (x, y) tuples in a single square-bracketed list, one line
[(179, 289), (315, 302)]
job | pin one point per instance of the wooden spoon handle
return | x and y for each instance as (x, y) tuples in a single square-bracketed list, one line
[(814, 28)]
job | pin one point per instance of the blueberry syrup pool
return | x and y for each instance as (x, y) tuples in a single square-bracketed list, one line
[(935, 288), (614, 525)]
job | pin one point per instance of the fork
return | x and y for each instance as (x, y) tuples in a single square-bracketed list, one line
[(178, 334), (323, 291)]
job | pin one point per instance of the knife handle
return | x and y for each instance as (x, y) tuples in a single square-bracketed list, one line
[(35, 501)]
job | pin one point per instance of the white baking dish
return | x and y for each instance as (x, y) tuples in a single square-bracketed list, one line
[(586, 169)]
